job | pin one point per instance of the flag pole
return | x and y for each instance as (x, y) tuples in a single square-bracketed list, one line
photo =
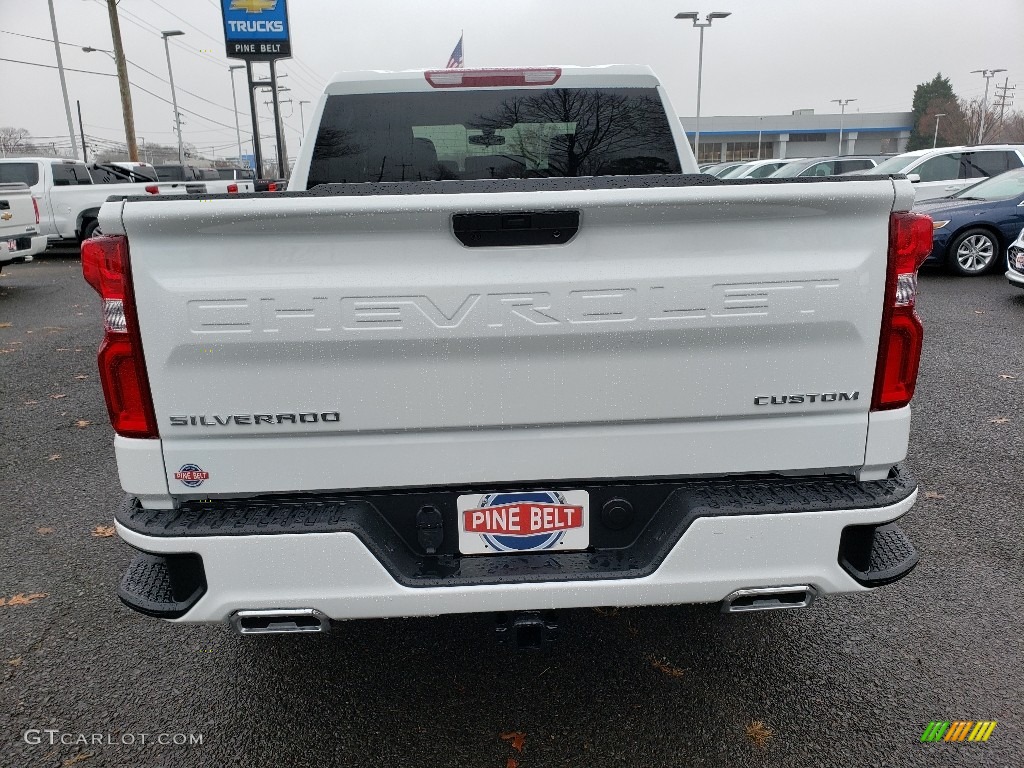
[(462, 39)]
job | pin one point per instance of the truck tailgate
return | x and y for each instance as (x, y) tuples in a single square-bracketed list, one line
[(312, 343)]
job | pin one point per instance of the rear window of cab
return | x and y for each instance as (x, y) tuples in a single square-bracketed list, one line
[(492, 134)]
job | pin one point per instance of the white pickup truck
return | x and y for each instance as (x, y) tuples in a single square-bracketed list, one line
[(19, 225), (501, 348), (70, 200)]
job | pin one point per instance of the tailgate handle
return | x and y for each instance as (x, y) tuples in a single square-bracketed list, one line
[(489, 230)]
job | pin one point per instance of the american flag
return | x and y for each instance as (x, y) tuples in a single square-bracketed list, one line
[(455, 60)]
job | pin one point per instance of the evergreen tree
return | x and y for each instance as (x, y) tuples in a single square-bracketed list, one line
[(929, 98)]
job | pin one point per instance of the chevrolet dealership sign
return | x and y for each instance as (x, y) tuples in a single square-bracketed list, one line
[(256, 29)]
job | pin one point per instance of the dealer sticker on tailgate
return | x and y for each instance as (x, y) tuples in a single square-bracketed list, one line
[(523, 521)]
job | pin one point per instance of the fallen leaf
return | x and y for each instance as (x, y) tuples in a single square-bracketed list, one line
[(511, 763), (77, 758), (57, 397), (81, 376), (979, 312), (5, 325), (1009, 376), (82, 423), (44, 530), (31, 402), (15, 662), (1000, 420), (934, 495), (103, 531), (22, 599), (759, 733), (666, 668), (54, 457), (63, 349), (517, 738)]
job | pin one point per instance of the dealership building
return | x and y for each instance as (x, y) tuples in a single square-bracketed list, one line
[(800, 134)]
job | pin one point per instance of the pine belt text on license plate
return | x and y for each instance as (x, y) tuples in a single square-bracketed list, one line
[(523, 521)]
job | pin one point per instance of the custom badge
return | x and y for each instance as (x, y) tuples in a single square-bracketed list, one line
[(523, 521)]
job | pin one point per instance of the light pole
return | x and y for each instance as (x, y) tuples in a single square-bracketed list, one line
[(760, 125), (694, 16), (935, 140), (126, 98), (302, 121), (174, 98), (234, 101), (63, 84), (842, 114), (987, 74)]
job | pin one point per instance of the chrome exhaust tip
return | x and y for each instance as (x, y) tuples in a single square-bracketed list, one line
[(275, 622), (768, 599)]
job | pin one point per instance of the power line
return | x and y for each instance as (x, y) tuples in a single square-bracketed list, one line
[(54, 66)]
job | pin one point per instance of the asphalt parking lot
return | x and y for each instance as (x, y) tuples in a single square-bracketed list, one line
[(852, 681)]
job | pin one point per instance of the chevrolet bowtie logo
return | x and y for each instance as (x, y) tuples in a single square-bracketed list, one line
[(253, 6)]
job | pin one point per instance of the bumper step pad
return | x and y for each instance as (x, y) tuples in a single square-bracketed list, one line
[(165, 586), (387, 524), (876, 555)]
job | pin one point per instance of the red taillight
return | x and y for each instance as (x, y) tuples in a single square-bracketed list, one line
[(152, 189), (232, 188), (491, 78), (35, 207), (272, 187), (902, 335), (106, 267)]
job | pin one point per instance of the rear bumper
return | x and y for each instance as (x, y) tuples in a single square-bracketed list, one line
[(704, 542), (26, 246)]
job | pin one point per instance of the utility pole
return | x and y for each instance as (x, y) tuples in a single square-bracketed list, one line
[(302, 121), (85, 154), (174, 98), (1005, 98), (122, 79), (234, 103), (987, 74), (935, 140), (63, 83), (842, 103)]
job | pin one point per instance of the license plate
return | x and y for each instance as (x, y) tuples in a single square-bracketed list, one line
[(12, 245), (1020, 261), (523, 521)]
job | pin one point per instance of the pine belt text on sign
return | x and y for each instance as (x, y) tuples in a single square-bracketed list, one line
[(523, 519)]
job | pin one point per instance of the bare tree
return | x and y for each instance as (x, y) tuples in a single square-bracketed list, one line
[(963, 121), (11, 139)]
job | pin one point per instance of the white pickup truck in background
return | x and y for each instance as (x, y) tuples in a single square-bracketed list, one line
[(19, 225), (70, 200), (501, 348)]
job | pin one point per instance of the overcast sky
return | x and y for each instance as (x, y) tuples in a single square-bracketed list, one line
[(769, 57)]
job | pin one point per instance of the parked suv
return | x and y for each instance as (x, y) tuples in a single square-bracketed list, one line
[(824, 166), (941, 172)]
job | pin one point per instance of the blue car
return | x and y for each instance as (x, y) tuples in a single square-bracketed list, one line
[(974, 227)]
